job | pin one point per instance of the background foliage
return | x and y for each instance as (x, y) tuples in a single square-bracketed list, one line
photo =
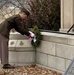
[(44, 13)]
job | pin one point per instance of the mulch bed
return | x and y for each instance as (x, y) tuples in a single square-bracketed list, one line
[(30, 70)]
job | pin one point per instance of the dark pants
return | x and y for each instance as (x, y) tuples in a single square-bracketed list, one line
[(4, 49)]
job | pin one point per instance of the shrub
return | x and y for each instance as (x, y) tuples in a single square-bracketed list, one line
[(45, 14)]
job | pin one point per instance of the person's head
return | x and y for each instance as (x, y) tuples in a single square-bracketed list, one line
[(24, 13)]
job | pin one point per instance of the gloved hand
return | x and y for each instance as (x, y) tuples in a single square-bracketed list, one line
[(32, 36)]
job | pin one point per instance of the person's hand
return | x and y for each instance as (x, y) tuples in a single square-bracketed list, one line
[(32, 36)]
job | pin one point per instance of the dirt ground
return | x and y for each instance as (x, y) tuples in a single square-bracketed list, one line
[(28, 70)]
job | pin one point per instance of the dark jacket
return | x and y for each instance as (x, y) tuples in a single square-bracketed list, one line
[(13, 22)]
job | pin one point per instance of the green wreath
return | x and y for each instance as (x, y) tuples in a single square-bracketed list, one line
[(38, 37)]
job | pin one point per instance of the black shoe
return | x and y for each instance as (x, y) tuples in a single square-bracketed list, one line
[(8, 66)]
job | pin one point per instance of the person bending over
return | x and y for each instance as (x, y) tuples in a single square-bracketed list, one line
[(16, 22)]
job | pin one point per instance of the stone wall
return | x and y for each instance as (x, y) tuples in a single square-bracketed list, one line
[(21, 52), (56, 51)]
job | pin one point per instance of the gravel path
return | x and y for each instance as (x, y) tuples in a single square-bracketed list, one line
[(28, 70)]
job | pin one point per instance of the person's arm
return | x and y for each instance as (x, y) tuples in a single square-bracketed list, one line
[(20, 27)]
